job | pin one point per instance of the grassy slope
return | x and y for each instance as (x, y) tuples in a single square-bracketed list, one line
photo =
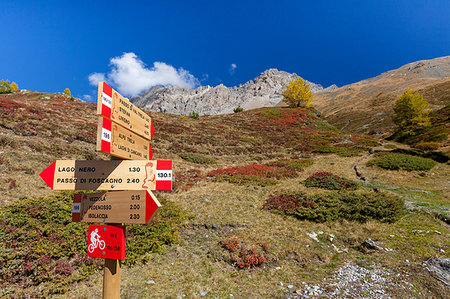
[(257, 136), (367, 105)]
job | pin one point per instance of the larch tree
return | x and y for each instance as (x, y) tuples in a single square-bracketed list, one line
[(411, 113), (297, 93)]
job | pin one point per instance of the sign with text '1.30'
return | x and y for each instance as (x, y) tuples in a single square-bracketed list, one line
[(109, 175), (115, 207), (120, 142), (106, 241), (120, 110)]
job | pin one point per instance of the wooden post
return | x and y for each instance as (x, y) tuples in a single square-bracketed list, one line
[(111, 279)]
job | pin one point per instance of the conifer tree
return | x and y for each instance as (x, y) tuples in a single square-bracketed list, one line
[(14, 87), (411, 113)]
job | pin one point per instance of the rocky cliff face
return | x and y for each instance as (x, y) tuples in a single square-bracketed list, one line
[(263, 91)]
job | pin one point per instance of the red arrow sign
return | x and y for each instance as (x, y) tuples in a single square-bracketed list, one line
[(115, 207)]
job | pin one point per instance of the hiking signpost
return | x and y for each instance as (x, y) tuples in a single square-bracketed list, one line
[(124, 131), (116, 207)]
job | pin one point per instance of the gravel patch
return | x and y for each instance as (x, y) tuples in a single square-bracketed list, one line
[(353, 281)]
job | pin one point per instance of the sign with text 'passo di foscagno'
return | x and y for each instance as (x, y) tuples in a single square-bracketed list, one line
[(109, 175)]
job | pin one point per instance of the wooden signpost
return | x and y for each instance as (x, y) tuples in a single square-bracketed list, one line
[(120, 110), (120, 142), (109, 175), (115, 207), (124, 131)]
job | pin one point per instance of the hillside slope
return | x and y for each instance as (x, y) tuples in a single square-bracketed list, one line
[(367, 105), (226, 169)]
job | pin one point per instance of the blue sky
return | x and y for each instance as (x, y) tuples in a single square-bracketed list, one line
[(50, 45)]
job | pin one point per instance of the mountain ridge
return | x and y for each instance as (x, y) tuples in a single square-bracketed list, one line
[(265, 90)]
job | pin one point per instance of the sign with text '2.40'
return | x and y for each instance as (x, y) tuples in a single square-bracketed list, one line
[(109, 175), (115, 207), (120, 110), (106, 241), (120, 142)]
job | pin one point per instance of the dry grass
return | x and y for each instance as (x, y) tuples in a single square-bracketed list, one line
[(252, 137)]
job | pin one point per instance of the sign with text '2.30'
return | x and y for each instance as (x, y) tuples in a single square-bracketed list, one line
[(106, 241), (136, 207), (109, 175), (120, 110), (120, 142)]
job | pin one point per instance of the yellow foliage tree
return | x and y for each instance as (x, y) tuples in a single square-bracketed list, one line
[(14, 86), (411, 113), (5, 87), (67, 92), (297, 93)]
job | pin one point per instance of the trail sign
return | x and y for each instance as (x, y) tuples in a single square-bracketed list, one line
[(109, 175), (115, 207), (106, 241), (120, 110), (120, 142)]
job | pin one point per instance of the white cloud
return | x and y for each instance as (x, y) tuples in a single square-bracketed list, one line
[(232, 69), (94, 78), (130, 75), (87, 97)]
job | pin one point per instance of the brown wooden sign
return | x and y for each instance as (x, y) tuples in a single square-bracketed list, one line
[(115, 207), (120, 142), (120, 110), (109, 175)]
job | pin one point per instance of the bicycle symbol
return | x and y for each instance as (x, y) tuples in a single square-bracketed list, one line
[(95, 241)]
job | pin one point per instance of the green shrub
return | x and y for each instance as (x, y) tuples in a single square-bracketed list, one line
[(351, 206), (40, 245), (397, 161), (329, 181), (238, 109), (194, 115), (329, 149), (197, 158)]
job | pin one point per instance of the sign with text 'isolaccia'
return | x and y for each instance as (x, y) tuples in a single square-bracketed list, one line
[(120, 142), (106, 241), (120, 110), (109, 175), (134, 207)]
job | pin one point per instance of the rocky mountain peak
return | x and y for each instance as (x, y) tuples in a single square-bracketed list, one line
[(263, 91)]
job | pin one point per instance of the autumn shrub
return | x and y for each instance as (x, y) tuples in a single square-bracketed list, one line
[(352, 206), (398, 161), (327, 180), (243, 256), (40, 245), (426, 146), (251, 174), (183, 181), (197, 158)]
